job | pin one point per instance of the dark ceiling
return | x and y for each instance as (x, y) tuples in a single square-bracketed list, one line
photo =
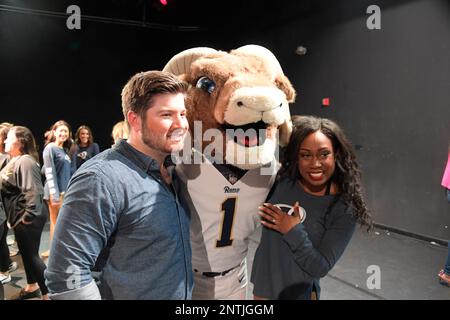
[(213, 14)]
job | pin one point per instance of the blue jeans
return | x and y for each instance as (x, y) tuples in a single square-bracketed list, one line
[(447, 264)]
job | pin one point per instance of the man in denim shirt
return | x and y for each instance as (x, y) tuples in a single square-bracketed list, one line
[(121, 206)]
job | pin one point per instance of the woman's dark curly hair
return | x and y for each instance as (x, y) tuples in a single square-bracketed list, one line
[(347, 175)]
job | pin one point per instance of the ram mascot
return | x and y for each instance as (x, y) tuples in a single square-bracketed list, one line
[(238, 112)]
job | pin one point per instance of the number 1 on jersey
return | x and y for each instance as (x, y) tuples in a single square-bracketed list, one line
[(228, 209)]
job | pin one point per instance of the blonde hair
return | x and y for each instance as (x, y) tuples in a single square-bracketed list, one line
[(4, 128), (120, 131)]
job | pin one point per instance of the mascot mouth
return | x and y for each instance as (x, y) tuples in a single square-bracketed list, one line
[(249, 135)]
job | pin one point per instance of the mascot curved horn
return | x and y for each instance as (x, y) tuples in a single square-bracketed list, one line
[(181, 62)]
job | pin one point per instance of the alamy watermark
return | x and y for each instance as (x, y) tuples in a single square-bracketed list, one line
[(374, 280), (374, 20), (250, 147), (74, 20), (74, 280)]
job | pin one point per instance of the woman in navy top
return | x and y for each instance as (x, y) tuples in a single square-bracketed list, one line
[(57, 169), (85, 147), (311, 212)]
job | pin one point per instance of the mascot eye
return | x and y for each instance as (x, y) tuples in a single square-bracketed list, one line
[(206, 84)]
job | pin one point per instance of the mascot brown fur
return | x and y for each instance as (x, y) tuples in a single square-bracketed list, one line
[(244, 90)]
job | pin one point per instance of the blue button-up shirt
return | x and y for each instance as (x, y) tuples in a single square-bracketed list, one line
[(118, 202)]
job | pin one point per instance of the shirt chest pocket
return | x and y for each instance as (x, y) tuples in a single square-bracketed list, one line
[(156, 221)]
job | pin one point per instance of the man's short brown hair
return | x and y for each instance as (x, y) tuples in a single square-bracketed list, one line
[(139, 91)]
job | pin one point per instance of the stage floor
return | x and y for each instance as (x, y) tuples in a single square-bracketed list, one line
[(408, 269)]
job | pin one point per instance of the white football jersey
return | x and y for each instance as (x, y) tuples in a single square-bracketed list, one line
[(223, 215)]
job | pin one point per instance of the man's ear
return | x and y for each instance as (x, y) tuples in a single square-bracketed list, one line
[(285, 85), (134, 120)]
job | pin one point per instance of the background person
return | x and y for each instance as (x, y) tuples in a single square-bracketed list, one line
[(121, 213), (85, 148), (444, 274), (120, 131), (6, 264), (22, 193), (57, 169)]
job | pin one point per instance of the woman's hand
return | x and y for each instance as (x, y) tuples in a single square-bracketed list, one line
[(274, 218)]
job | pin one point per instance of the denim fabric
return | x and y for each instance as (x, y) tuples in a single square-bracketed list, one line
[(117, 202), (447, 263)]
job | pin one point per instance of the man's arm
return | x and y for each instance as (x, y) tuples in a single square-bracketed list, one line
[(86, 220)]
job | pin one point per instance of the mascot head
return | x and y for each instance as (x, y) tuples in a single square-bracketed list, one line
[(241, 98)]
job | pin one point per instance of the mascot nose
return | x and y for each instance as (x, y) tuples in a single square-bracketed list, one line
[(260, 99), (262, 105)]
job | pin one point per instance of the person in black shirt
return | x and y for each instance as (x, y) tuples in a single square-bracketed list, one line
[(84, 147), (22, 194), (6, 264), (310, 214)]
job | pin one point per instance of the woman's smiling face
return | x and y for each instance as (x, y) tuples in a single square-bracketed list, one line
[(316, 162)]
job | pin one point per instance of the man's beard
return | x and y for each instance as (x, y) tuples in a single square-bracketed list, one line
[(157, 143), (151, 141)]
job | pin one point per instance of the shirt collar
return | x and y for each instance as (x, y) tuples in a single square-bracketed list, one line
[(142, 160)]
